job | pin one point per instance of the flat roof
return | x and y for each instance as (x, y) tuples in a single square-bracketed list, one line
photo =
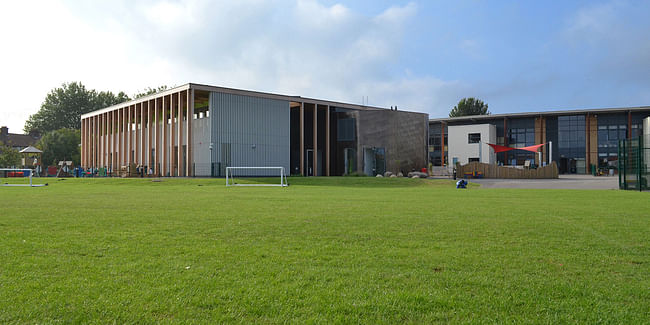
[(290, 98), (545, 113)]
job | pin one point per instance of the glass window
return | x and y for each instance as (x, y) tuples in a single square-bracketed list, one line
[(474, 138), (613, 134), (602, 135), (530, 138), (345, 130)]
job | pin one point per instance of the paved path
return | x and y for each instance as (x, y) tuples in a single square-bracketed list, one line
[(579, 182)]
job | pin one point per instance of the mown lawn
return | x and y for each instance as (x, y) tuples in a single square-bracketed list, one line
[(338, 250)]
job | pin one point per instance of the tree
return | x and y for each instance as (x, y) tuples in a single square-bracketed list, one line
[(469, 106), (150, 91), (63, 107), (60, 145), (9, 157)]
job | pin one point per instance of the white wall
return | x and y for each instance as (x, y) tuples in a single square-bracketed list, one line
[(461, 149)]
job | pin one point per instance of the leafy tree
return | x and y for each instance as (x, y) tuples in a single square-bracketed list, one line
[(469, 106), (62, 144), (63, 107), (150, 91), (9, 157)]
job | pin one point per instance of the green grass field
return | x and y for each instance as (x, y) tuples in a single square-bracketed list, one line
[(337, 250)]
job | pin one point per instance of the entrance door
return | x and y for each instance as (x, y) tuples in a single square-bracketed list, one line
[(310, 161), (564, 165), (369, 161)]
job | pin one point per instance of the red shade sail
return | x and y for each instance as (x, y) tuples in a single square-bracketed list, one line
[(497, 148), (532, 148)]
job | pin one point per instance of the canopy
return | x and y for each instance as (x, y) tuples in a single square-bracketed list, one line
[(30, 149), (497, 148)]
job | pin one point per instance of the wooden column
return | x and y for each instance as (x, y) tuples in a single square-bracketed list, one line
[(86, 143), (130, 151), (163, 147), (120, 151), (95, 141), (125, 135), (302, 139), (83, 143), (105, 118), (315, 152), (113, 139), (327, 142), (189, 162), (101, 140), (156, 122), (179, 123), (591, 141), (139, 131), (146, 147), (116, 140), (172, 138), (90, 141)]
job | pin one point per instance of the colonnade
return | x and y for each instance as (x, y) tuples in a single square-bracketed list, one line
[(132, 134), (315, 138)]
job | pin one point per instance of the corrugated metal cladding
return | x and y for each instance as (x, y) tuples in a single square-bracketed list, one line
[(249, 132)]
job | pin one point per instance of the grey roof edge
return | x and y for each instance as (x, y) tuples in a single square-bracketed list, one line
[(244, 92), (542, 113)]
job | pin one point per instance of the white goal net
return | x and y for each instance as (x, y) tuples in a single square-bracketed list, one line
[(17, 177), (256, 176)]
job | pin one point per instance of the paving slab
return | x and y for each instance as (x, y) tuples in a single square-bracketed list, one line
[(577, 182)]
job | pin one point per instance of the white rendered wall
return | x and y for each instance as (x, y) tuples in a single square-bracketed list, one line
[(458, 146)]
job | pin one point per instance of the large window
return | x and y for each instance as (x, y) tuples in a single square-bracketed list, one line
[(571, 143), (608, 135), (474, 138), (571, 136), (521, 137), (517, 138), (345, 130)]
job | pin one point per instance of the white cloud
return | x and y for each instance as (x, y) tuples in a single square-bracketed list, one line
[(303, 48), (612, 37)]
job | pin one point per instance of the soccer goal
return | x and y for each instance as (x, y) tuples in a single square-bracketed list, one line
[(17, 177), (256, 176)]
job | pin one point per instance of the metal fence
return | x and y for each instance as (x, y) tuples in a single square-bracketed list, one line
[(634, 163)]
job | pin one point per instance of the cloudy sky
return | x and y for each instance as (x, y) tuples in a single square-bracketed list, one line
[(419, 55)]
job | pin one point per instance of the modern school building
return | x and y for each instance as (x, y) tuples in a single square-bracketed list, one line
[(199, 130)]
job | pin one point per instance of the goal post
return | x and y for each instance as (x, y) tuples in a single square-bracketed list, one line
[(233, 174), (7, 174)]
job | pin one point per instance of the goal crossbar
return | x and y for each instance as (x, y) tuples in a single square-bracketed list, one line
[(31, 173), (230, 177)]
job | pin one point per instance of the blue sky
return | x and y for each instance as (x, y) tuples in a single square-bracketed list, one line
[(420, 55)]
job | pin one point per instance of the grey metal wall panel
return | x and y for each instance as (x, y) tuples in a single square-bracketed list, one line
[(255, 129)]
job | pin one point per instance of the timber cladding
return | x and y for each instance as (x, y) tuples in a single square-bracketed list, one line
[(496, 171)]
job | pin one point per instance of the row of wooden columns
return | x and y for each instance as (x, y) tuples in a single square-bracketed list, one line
[(117, 138), (315, 144)]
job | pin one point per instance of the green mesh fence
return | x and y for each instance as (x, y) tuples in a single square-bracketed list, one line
[(634, 163)]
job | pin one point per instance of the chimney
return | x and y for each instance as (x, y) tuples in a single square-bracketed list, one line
[(4, 131)]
